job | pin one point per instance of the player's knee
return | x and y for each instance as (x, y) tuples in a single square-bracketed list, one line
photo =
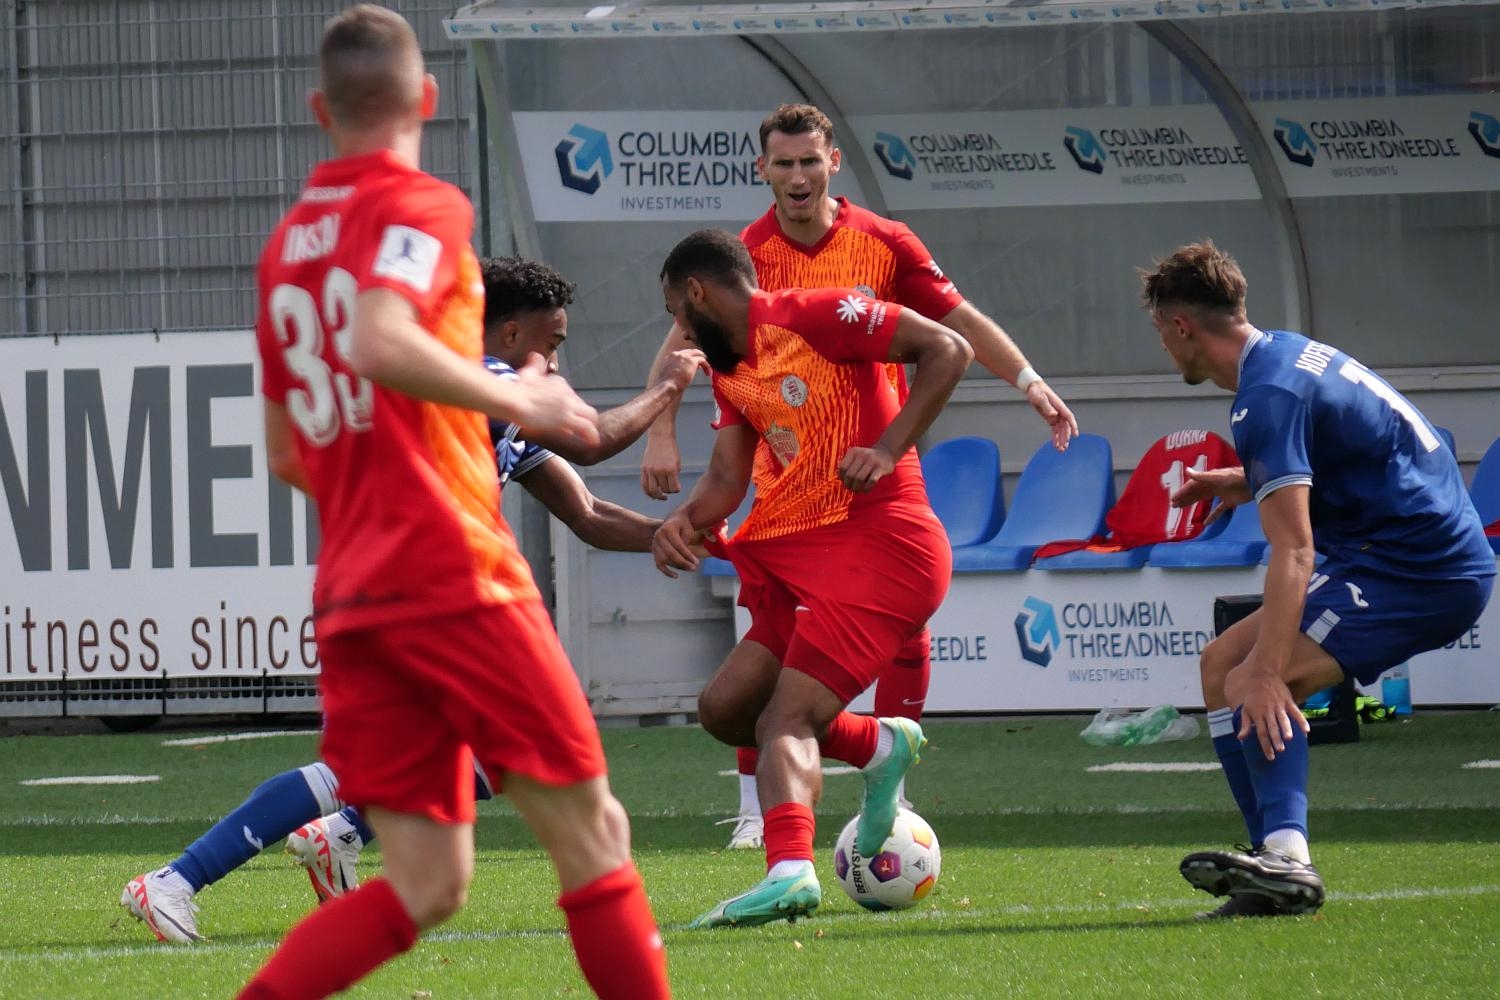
[(435, 899), (722, 715), (1214, 664)]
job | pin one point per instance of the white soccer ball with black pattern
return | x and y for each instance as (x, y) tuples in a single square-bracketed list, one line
[(901, 875)]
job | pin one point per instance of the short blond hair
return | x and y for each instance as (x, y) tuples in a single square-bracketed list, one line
[(370, 66)]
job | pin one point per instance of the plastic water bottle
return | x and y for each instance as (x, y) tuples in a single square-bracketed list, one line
[(1395, 689), (1145, 727)]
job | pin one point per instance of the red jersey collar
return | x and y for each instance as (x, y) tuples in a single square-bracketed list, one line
[(839, 218)]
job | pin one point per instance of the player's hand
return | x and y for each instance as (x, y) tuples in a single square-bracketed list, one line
[(1051, 408), (672, 545), (661, 465), (1229, 485), (862, 468), (679, 367), (1267, 707), (551, 405)]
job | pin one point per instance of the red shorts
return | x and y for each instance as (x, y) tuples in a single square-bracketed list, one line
[(840, 602), (405, 704)]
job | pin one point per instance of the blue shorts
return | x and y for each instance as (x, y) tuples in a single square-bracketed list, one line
[(1370, 621)]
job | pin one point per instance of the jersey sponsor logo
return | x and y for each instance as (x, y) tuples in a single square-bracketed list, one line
[(937, 272), (408, 255), (793, 390), (1238, 415), (852, 307), (305, 241)]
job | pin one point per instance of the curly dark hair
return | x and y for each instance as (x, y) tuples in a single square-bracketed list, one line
[(518, 284), (1199, 275)]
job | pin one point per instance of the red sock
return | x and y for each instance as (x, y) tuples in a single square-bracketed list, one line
[(338, 944), (902, 687), (748, 757), (789, 833), (850, 738), (615, 937)]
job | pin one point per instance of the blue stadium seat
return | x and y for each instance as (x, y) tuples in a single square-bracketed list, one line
[(1485, 489), (963, 483), (1239, 542), (1060, 495)]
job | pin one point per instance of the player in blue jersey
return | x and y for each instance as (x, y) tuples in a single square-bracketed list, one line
[(525, 313), (1342, 465)]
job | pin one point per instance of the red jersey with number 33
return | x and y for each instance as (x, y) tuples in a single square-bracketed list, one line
[(813, 385), (408, 499)]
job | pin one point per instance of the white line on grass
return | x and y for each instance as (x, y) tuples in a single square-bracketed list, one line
[(1146, 767), (1195, 902), (96, 779), (826, 770), (196, 741), (1482, 764)]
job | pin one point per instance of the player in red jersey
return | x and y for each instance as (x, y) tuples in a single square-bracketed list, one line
[(841, 559), (369, 330), (811, 240)]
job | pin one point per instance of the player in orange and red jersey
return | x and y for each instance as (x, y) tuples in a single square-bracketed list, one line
[(841, 559), (369, 329), (811, 240)]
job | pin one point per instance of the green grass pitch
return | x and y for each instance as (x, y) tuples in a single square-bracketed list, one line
[(1057, 881)]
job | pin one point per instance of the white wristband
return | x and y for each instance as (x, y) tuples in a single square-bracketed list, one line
[(1028, 375)]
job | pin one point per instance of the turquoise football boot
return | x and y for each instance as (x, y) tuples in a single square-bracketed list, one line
[(877, 812), (770, 899)]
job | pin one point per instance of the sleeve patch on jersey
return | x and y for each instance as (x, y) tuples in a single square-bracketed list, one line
[(408, 255)]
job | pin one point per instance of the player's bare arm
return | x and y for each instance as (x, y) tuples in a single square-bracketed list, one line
[(389, 346), (620, 427), (717, 494), (281, 448), (1228, 484), (662, 464), (597, 522), (1259, 683), (997, 352), (940, 357)]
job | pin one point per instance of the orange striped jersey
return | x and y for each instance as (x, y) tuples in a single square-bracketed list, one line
[(813, 385), (408, 499)]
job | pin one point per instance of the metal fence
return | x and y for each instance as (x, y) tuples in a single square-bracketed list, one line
[(149, 146)]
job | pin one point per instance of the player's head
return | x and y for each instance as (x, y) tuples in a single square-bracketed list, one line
[(525, 309), (1194, 296), (707, 280), (798, 158), (370, 73)]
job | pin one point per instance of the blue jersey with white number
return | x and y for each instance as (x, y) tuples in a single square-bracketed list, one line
[(514, 457), (1385, 491)]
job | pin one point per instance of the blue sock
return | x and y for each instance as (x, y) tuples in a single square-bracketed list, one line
[(1221, 726), (270, 814), (1280, 784), (357, 819)]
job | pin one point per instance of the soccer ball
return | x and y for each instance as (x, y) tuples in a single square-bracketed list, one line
[(904, 871)]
